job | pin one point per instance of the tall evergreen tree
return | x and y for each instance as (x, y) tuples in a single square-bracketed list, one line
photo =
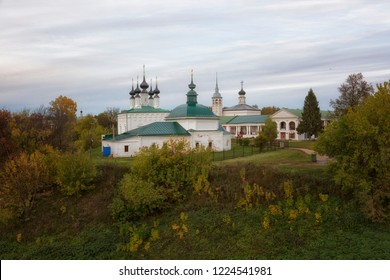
[(311, 116)]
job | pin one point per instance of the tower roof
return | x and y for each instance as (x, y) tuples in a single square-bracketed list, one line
[(156, 90), (191, 109), (216, 93), (144, 85), (132, 93), (242, 91), (137, 91)]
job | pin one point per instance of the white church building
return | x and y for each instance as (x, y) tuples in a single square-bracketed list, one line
[(146, 124)]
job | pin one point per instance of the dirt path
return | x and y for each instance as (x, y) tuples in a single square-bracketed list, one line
[(321, 159)]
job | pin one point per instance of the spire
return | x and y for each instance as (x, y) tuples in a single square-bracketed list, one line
[(242, 91), (192, 86), (144, 85), (216, 93), (191, 94)]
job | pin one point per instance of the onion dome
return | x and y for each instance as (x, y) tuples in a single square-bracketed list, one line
[(151, 93), (191, 109), (137, 91), (191, 94), (144, 85), (156, 90), (132, 92), (242, 91)]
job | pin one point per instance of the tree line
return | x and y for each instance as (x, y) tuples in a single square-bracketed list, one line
[(44, 150)]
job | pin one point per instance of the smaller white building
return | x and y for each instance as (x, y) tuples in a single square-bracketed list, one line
[(287, 121)]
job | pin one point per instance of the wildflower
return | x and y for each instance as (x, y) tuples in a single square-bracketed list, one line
[(275, 210), (266, 223), (19, 237), (293, 214), (324, 197), (318, 217), (154, 235), (175, 227)]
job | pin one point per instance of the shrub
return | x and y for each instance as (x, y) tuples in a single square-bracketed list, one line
[(136, 199), (75, 173)]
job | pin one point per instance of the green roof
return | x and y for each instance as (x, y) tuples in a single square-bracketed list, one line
[(191, 110), (146, 109), (225, 119), (298, 113), (248, 119), (153, 129)]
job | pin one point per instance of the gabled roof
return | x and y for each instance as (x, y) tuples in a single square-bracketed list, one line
[(225, 119), (145, 109), (153, 129), (255, 119), (191, 110), (241, 107), (298, 112)]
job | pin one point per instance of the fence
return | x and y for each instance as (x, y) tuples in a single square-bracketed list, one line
[(248, 150)]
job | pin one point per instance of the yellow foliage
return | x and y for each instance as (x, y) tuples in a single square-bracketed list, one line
[(275, 210), (19, 237), (318, 217), (323, 197), (266, 223), (293, 215)]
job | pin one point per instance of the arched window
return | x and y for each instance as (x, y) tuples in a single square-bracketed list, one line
[(291, 125), (282, 125)]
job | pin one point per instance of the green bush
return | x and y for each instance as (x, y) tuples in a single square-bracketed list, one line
[(75, 173), (136, 199)]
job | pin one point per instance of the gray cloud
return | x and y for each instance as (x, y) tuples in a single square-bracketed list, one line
[(90, 50)]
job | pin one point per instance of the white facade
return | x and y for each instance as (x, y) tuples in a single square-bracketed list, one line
[(287, 124), (130, 120)]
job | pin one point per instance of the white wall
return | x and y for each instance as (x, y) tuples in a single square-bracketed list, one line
[(130, 121)]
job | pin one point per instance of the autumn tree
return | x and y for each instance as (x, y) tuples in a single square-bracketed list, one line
[(352, 93), (269, 110), (359, 143), (63, 119), (31, 130), (107, 119), (88, 133), (310, 123), (22, 179), (6, 143)]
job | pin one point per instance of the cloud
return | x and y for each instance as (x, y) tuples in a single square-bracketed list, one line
[(90, 50)]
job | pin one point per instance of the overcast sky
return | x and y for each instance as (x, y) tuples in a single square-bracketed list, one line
[(90, 50)]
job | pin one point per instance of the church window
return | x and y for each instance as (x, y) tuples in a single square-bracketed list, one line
[(282, 125), (126, 148), (210, 144)]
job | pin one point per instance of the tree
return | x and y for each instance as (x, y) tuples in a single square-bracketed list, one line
[(269, 110), (311, 116), (23, 178), (352, 93), (63, 118), (270, 130), (75, 173), (107, 119), (31, 130), (6, 143), (359, 142), (88, 133)]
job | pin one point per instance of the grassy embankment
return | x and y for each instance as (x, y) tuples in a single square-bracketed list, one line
[(307, 219)]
